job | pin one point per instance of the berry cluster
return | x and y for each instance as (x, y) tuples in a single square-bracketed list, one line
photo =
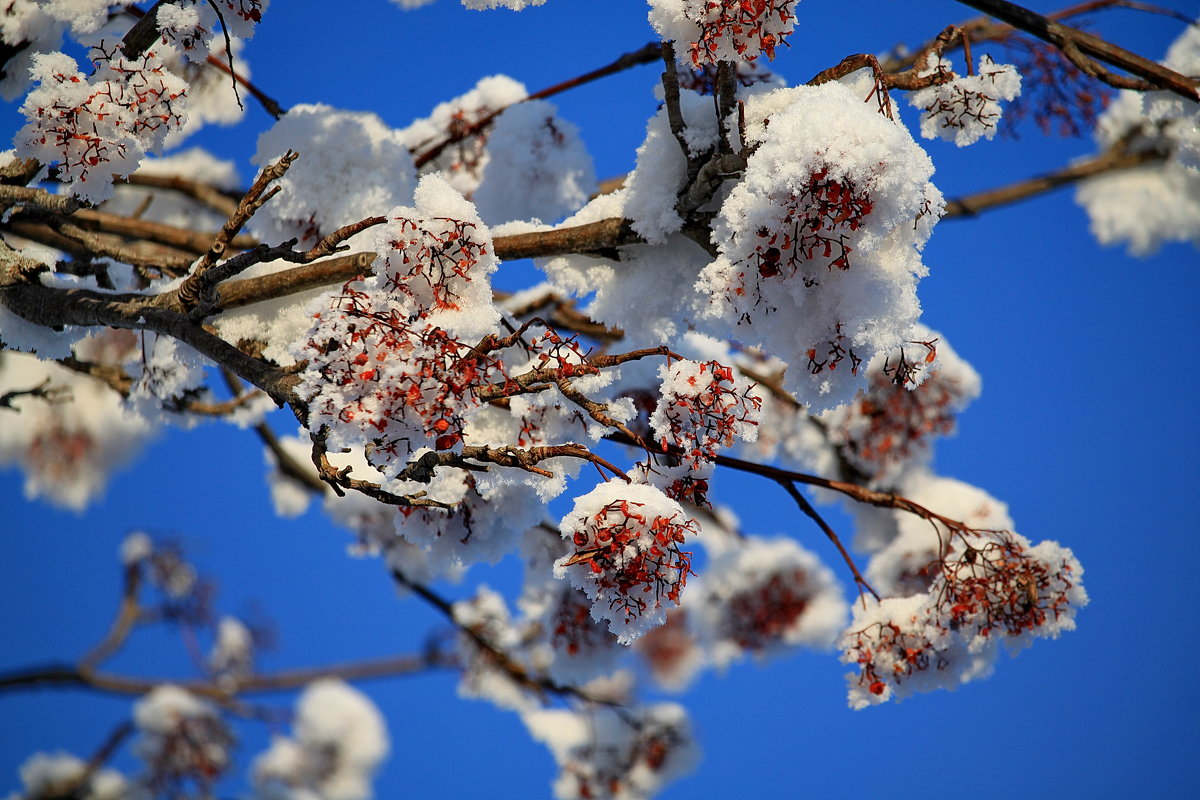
[(627, 555), (429, 260), (703, 406), (749, 27)]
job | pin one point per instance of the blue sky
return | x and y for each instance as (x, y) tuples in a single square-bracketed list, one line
[(1086, 428)]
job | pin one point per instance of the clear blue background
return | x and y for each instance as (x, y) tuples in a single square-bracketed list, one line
[(1086, 427)]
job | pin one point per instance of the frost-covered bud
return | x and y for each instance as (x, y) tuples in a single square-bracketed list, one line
[(914, 395), (627, 558), (183, 739), (49, 777), (724, 30), (818, 243), (965, 107), (763, 595), (994, 588), (702, 407), (340, 739), (616, 756)]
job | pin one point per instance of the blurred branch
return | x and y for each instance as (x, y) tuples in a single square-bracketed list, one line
[(1083, 49), (1111, 161), (72, 676)]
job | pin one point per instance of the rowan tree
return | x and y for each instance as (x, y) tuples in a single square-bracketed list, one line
[(743, 300)]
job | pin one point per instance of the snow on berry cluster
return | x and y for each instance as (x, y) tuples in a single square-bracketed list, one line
[(339, 740), (724, 30), (761, 596), (182, 740), (615, 755), (819, 242), (191, 25), (628, 557), (391, 361), (1159, 201), (988, 587), (538, 167), (702, 407), (965, 107), (95, 128), (453, 124), (914, 395)]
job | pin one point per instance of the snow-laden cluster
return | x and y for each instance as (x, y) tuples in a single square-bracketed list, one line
[(232, 656), (181, 738), (702, 407), (610, 755), (452, 129), (964, 108), (904, 549), (338, 740), (32, 27), (98, 127), (819, 242), (47, 776), (69, 441), (1157, 202), (913, 396), (351, 166), (628, 558), (391, 359), (193, 26), (724, 30), (986, 588), (763, 596), (538, 167)]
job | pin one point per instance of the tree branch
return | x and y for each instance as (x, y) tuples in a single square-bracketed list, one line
[(1075, 44)]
